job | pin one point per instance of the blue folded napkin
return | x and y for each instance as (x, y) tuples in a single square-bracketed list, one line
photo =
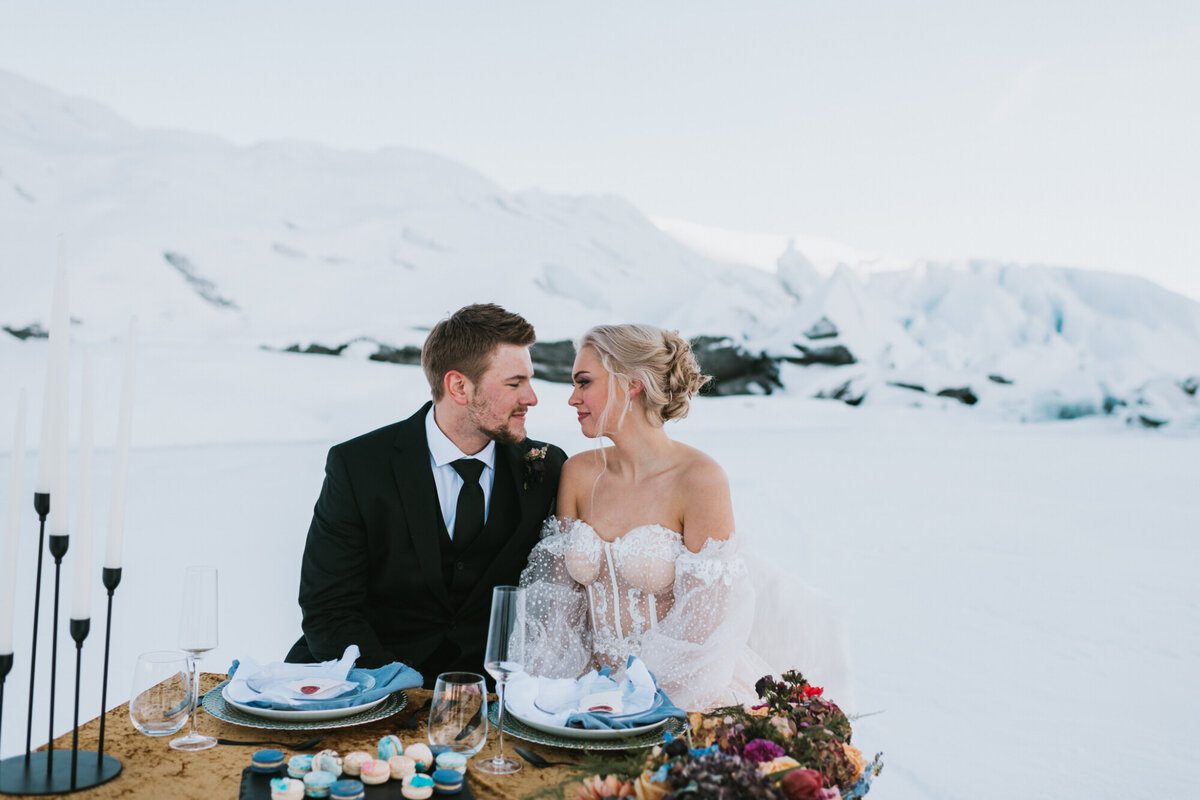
[(661, 709), (382, 681)]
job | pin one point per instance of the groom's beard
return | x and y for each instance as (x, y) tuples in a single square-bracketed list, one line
[(493, 425)]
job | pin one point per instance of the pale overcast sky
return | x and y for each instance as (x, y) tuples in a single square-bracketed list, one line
[(1054, 132)]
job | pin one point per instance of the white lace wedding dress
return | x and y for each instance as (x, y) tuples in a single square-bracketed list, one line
[(688, 616)]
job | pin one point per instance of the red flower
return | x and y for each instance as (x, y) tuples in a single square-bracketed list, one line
[(802, 784), (813, 691)]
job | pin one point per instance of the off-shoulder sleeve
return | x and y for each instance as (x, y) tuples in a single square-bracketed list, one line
[(558, 636), (693, 650)]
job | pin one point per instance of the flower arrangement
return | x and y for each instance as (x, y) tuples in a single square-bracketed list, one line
[(535, 465), (793, 745)]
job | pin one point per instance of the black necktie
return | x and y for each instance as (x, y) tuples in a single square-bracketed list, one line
[(468, 514)]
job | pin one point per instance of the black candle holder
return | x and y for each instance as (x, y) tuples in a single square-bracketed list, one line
[(58, 549), (112, 579), (6, 662), (41, 504), (53, 771)]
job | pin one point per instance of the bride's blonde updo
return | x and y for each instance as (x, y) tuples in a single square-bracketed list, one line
[(661, 360)]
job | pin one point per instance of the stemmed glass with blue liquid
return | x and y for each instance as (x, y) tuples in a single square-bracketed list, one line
[(504, 657)]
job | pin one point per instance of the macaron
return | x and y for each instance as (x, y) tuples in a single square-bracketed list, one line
[(299, 766), (419, 753), (390, 746), (417, 787), (447, 781), (318, 783), (352, 763), (267, 761), (328, 761), (347, 790), (402, 767), (286, 789), (375, 772), (452, 760)]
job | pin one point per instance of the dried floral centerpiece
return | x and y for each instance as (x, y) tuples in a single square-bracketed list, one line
[(794, 745)]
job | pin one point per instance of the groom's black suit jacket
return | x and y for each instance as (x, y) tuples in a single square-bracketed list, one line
[(379, 569)]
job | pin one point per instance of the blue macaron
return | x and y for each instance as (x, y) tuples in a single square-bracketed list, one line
[(299, 766), (347, 790), (318, 784), (447, 781), (267, 761), (452, 760)]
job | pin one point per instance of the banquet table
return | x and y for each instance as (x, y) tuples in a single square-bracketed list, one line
[(151, 769)]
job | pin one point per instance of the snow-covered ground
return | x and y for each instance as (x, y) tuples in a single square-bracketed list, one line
[(1019, 600)]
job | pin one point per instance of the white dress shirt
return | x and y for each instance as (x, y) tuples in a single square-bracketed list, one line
[(442, 453)]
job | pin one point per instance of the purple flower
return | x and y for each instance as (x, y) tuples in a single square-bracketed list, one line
[(761, 750)]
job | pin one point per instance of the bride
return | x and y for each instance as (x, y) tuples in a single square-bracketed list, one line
[(642, 558)]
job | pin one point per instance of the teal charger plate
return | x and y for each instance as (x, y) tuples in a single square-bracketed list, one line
[(214, 703)]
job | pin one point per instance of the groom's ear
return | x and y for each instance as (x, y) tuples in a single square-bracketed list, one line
[(457, 387)]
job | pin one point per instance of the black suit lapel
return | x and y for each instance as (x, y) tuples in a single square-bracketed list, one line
[(419, 498)]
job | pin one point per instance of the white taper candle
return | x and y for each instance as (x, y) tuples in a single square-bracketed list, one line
[(81, 605), (56, 379), (116, 516), (12, 526), (60, 360)]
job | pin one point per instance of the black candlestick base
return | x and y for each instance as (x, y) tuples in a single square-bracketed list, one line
[(49, 772)]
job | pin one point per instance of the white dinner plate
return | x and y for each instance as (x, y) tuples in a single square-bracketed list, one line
[(587, 733), (298, 715)]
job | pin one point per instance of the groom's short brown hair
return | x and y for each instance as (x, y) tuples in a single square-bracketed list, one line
[(466, 340)]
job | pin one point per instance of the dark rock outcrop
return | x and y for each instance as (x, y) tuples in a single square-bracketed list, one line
[(200, 285), (822, 329), (31, 331), (835, 355), (1189, 386), (552, 361), (734, 370), (963, 395), (317, 349), (409, 354), (843, 392), (916, 387), (1000, 379)]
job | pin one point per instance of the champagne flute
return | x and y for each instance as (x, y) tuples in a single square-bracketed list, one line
[(505, 656), (197, 635)]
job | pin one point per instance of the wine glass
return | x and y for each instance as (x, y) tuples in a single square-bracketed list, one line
[(505, 656), (162, 692), (197, 635), (458, 713)]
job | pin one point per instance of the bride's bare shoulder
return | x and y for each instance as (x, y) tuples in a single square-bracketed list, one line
[(700, 471), (584, 466)]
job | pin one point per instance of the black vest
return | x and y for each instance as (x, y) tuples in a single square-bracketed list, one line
[(463, 570)]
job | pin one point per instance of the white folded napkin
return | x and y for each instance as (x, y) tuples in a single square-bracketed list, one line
[(292, 684), (552, 700)]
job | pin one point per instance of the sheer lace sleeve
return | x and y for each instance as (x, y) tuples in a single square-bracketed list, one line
[(694, 648), (558, 636)]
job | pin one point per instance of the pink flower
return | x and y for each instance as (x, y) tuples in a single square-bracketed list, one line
[(759, 750)]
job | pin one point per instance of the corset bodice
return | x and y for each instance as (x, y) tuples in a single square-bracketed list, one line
[(629, 583)]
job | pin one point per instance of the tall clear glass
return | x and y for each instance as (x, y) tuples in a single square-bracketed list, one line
[(161, 696), (505, 656), (458, 714), (197, 635)]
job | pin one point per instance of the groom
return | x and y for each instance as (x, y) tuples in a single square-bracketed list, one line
[(417, 521)]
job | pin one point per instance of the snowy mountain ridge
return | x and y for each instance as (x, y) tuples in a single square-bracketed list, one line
[(286, 242)]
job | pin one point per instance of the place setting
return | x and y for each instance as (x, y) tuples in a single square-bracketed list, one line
[(593, 712)]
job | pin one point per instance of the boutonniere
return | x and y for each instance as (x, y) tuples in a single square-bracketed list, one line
[(535, 465)]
